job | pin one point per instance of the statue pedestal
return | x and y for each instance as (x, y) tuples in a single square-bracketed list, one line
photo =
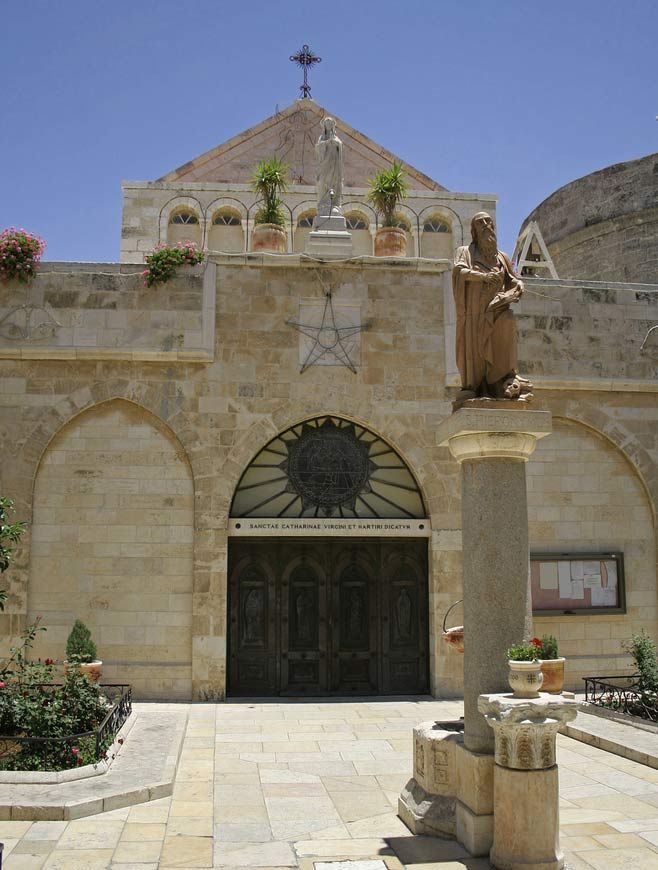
[(492, 445), (525, 798), (329, 236)]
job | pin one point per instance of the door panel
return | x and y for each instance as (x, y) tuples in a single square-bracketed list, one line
[(252, 627), (319, 616), (354, 619), (404, 626), (303, 622)]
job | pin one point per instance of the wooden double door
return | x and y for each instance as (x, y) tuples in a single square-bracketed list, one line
[(327, 616)]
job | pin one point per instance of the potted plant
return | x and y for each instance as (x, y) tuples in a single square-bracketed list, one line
[(81, 652), (269, 180), (20, 253), (525, 676), (552, 664), (387, 188), (164, 260)]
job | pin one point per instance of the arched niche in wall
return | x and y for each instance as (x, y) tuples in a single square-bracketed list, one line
[(436, 237), (226, 232), (184, 226), (111, 544)]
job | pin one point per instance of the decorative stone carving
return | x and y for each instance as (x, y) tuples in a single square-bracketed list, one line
[(28, 323), (485, 286), (525, 729), (427, 802)]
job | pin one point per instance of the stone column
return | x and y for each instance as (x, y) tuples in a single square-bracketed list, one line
[(492, 445), (526, 799)]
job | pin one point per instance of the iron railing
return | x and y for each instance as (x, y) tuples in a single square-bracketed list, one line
[(121, 696), (622, 694)]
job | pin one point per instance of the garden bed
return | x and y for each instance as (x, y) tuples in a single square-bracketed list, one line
[(623, 696), (54, 749)]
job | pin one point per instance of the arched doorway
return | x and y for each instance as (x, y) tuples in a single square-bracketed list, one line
[(328, 567)]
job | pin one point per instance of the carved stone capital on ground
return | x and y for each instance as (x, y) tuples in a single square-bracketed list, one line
[(525, 729)]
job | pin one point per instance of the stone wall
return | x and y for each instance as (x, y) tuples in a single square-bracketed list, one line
[(604, 226), (219, 410), (112, 537)]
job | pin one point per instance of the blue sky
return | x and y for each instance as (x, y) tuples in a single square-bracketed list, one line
[(515, 98)]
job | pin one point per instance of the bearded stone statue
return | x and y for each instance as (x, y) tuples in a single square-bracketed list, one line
[(485, 286)]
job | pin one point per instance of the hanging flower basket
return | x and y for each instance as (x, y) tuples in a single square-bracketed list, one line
[(454, 637)]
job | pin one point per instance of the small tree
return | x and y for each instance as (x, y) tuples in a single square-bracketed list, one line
[(79, 646), (269, 180), (386, 189), (10, 533)]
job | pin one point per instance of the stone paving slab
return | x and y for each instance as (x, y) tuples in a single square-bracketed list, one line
[(143, 771), (617, 737), (239, 809)]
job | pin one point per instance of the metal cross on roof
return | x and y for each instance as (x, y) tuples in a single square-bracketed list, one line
[(305, 58)]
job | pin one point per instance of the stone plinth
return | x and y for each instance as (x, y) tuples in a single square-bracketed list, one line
[(492, 446), (526, 799), (329, 236), (427, 802)]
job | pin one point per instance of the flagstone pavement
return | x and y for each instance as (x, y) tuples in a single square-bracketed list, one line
[(301, 783)]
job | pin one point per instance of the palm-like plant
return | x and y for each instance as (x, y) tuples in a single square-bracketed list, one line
[(386, 188), (269, 180)]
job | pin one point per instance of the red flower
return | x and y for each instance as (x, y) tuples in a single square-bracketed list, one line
[(2, 684), (535, 641), (50, 661), (75, 750)]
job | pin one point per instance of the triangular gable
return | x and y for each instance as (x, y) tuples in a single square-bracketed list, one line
[(292, 134)]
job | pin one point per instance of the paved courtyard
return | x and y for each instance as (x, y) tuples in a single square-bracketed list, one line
[(298, 784)]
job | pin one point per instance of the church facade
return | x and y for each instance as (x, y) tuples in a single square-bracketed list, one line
[(234, 478)]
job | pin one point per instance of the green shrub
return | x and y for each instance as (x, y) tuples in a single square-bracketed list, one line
[(387, 188), (161, 264), (548, 649), (523, 652), (643, 650), (268, 180), (79, 646)]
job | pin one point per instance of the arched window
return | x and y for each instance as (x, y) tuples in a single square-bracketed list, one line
[(328, 467), (303, 228), (183, 217), (226, 233), (435, 225), (436, 240), (184, 227), (356, 221), (226, 219), (357, 225)]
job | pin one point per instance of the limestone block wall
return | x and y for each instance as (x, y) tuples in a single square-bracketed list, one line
[(112, 536), (604, 226), (585, 496), (218, 410), (148, 205)]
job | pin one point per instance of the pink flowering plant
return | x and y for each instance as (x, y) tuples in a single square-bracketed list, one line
[(20, 252), (162, 263)]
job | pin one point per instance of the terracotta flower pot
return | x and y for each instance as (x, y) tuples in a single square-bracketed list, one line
[(269, 237), (553, 671), (390, 242), (525, 678), (94, 670)]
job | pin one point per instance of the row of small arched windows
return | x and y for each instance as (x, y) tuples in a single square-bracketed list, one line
[(226, 232)]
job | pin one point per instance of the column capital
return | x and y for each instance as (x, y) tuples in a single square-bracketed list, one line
[(525, 728), (486, 433)]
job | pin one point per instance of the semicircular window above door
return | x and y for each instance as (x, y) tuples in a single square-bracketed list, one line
[(328, 467)]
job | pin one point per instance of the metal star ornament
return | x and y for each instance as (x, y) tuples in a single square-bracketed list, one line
[(328, 338)]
